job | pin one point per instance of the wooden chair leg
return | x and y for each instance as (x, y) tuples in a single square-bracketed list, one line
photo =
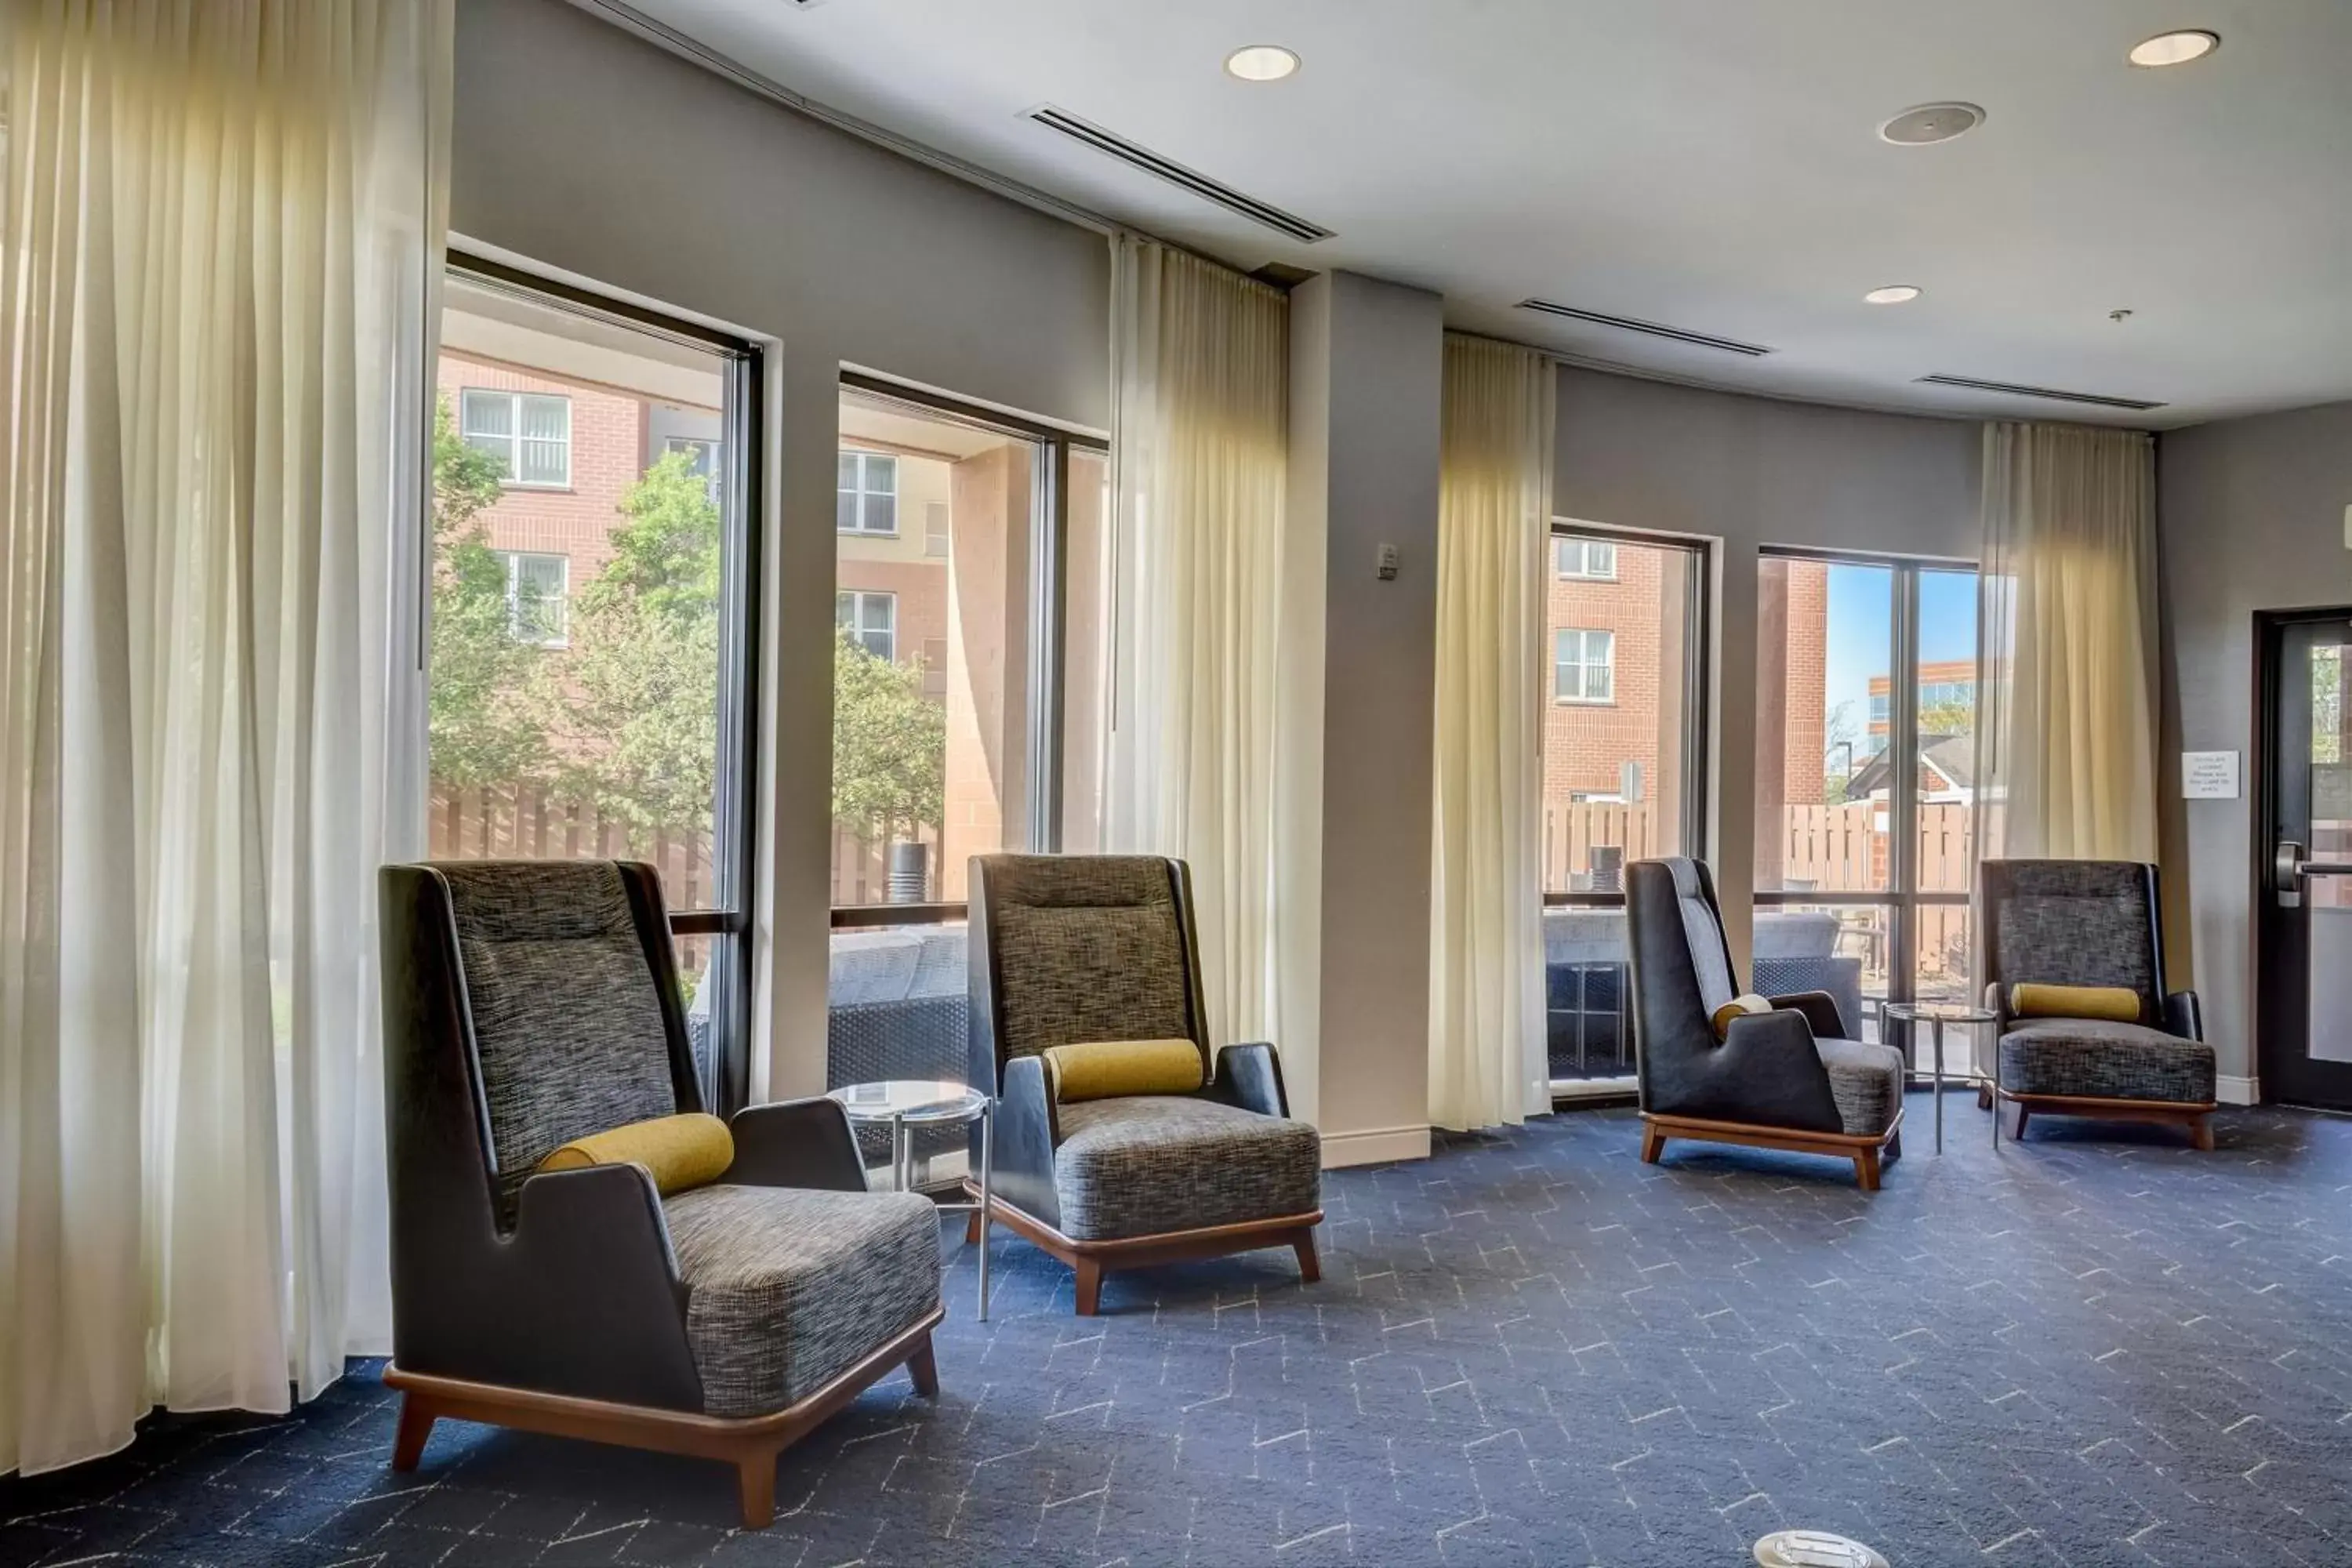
[(2200, 1134), (971, 1228), (1303, 1243), (1654, 1143), (1984, 1097), (755, 1488), (1090, 1274), (1866, 1168), (415, 1425), (2013, 1117), (924, 1368)]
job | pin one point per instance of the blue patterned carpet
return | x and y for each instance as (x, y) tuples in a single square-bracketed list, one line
[(1531, 1350)]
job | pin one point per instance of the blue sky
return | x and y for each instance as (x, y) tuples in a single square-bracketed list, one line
[(1860, 631)]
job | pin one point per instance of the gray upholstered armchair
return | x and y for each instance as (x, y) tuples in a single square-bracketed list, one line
[(1792, 1078), (1068, 949), (2090, 923), (527, 1003)]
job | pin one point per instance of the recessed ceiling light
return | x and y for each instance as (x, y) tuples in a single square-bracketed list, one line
[(1261, 62), (2175, 49), (1893, 294), (1930, 123)]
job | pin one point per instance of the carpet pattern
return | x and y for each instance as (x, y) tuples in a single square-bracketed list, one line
[(2098, 1349)]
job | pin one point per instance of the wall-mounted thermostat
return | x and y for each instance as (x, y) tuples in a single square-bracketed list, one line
[(1389, 559)]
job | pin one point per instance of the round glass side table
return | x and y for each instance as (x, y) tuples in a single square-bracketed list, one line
[(901, 1104), (1935, 1014)]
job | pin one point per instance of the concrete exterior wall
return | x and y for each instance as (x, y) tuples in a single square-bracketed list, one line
[(2250, 517)]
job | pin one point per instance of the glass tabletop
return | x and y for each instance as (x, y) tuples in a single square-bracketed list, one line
[(1949, 1012), (914, 1100)]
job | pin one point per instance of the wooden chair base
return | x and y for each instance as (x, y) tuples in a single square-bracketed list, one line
[(750, 1443), (2017, 1109), (1090, 1260), (1868, 1152)]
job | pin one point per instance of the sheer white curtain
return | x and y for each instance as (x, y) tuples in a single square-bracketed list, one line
[(221, 221), (1201, 366), (1486, 1063), (2067, 726)]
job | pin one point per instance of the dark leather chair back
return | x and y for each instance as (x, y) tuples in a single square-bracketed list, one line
[(2075, 923), (1071, 947), (1681, 963)]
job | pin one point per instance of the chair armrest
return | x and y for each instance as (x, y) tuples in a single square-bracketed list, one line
[(1821, 1014), (1250, 1076), (1996, 1001), (1767, 1072), (1026, 1132), (796, 1143), (582, 1299), (2184, 1016)]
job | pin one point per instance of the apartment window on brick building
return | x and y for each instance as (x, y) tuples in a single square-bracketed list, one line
[(529, 433), (867, 496), (870, 620), (539, 591), (1584, 666), (1624, 731), (1592, 560)]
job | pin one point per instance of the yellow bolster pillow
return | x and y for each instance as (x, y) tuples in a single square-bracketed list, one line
[(680, 1152), (1105, 1069), (2117, 1003), (1739, 1007)]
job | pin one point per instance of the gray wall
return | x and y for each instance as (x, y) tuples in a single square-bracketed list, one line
[(582, 149), (1746, 472), (2250, 512)]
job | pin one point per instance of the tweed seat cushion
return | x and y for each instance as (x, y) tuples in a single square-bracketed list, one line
[(2096, 1058), (789, 1287), (1145, 1164), (1866, 1081)]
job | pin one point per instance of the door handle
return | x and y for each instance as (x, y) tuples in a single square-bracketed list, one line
[(2289, 870)]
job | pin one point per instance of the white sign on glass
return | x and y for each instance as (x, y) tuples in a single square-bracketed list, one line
[(2209, 775)]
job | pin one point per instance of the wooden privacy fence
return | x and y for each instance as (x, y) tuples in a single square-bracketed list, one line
[(1570, 833), (520, 822)]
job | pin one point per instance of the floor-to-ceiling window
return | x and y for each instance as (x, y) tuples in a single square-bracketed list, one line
[(592, 610), (968, 677), (1865, 789), (1623, 767)]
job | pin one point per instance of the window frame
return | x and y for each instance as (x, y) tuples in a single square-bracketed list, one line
[(1901, 899), (865, 492), (512, 478), (735, 810), (1047, 612), (1698, 652)]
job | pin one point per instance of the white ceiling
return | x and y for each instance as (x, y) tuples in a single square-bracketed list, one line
[(1708, 164)]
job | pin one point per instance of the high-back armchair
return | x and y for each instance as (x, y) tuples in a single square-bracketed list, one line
[(528, 1003), (2091, 924), (1788, 1076), (1077, 949)]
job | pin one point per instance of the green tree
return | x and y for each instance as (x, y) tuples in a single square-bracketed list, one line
[(1946, 718), (485, 723), (890, 744), (636, 702)]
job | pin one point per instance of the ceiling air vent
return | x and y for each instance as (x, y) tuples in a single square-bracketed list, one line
[(1175, 173), (1649, 329), (2094, 399)]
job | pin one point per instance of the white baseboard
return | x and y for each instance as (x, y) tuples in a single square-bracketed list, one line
[(1375, 1146), (2238, 1090)]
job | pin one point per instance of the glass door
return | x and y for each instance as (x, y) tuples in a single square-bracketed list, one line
[(2304, 1021)]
